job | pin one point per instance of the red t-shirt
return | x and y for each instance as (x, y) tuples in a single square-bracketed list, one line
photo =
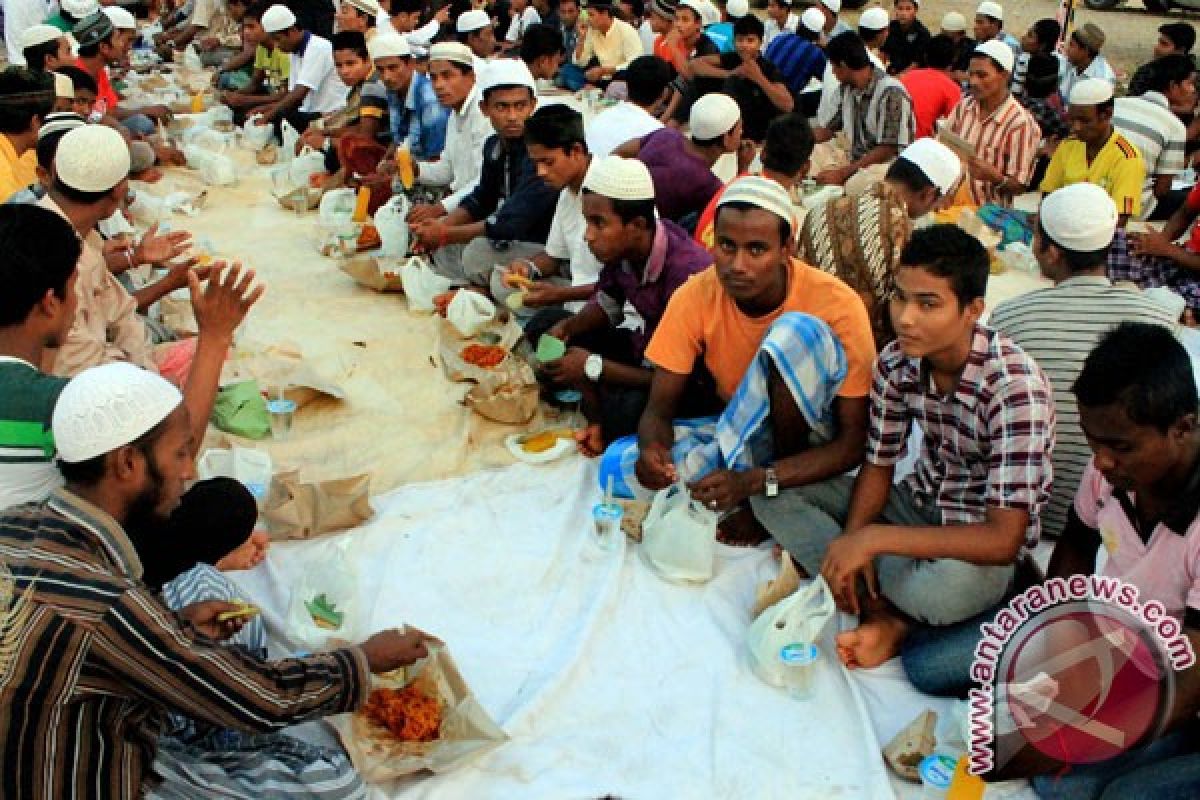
[(1193, 204), (106, 98), (933, 93)]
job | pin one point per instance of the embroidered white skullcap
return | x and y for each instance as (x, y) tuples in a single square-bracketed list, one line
[(990, 9), (999, 52), (737, 8), (473, 21), (833, 5), (761, 193), (506, 72), (39, 34), (80, 8), (452, 51), (874, 19), (110, 406), (63, 88), (369, 7), (954, 22), (93, 158), (60, 121), (813, 19), (1080, 217), (938, 162), (619, 179), (713, 115), (388, 45), (278, 18), (1091, 92), (121, 19)]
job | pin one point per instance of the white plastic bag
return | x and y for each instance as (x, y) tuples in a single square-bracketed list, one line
[(679, 537), (391, 220), (337, 205), (799, 618), (254, 136), (469, 313), (421, 284), (252, 468), (215, 169), (331, 578), (310, 162), (290, 136), (206, 138), (191, 59)]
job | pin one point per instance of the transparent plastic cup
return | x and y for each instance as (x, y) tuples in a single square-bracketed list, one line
[(282, 412), (799, 661), (606, 519)]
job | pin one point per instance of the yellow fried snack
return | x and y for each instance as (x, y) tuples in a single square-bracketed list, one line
[(539, 442)]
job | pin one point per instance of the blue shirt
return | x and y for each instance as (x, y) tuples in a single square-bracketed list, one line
[(721, 34), (798, 59), (420, 120)]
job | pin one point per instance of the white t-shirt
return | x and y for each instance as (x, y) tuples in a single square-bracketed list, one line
[(565, 241), (647, 35), (314, 69), (521, 23), (623, 122)]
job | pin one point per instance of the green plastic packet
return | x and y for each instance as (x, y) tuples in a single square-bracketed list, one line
[(550, 348), (241, 410)]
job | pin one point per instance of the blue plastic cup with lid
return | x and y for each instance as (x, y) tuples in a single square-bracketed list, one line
[(799, 660)]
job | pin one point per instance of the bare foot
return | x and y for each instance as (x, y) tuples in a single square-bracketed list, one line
[(590, 441), (873, 642), (741, 529), (247, 555)]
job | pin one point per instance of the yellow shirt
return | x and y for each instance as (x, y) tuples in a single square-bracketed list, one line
[(1118, 169), (16, 172)]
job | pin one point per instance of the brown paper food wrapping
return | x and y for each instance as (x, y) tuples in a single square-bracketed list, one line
[(466, 732), (284, 365), (906, 750), (373, 273), (302, 510), (505, 333), (508, 394)]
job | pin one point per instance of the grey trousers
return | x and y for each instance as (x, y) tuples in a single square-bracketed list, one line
[(476, 262), (939, 592)]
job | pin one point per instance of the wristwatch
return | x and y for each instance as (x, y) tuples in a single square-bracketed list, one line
[(593, 367), (771, 483)]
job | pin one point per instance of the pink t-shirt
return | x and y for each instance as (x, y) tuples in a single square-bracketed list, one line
[(1166, 568)]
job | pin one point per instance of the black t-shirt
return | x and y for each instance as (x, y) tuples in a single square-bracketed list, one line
[(757, 109), (905, 49), (962, 54)]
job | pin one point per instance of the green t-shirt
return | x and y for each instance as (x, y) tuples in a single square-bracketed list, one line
[(277, 64), (27, 399), (60, 22)]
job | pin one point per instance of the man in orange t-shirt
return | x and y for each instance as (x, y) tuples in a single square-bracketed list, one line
[(783, 342)]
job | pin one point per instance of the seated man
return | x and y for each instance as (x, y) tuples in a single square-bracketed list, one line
[(790, 350), (359, 16), (681, 167), (646, 259), (875, 113), (1084, 61), (475, 31), (214, 27), (859, 238), (524, 17), (750, 79), (405, 19), (907, 38), (1097, 152), (259, 76), (606, 44), (542, 51), (313, 86), (46, 48), (95, 661), (932, 88), (25, 99), (1174, 38), (563, 275), (646, 81), (364, 115), (800, 59), (1041, 39), (508, 213), (99, 46), (940, 546), (1152, 258), (780, 19)]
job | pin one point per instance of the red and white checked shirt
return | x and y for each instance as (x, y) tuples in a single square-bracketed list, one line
[(986, 445), (1006, 139)]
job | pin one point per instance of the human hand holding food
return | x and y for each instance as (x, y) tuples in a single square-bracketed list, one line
[(394, 648), (655, 469)]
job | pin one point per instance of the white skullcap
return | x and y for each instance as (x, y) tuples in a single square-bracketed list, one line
[(110, 406), (388, 45), (39, 34), (999, 52), (813, 19), (506, 72), (990, 9), (93, 158), (761, 193), (60, 121), (833, 5), (1091, 92), (698, 6), (737, 8), (278, 18), (711, 14), (939, 163), (874, 19), (452, 51), (121, 19), (619, 179), (713, 115), (80, 8), (63, 88), (1080, 217), (473, 21), (368, 7), (954, 22)]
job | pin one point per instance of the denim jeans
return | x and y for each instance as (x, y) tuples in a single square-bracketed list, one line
[(1166, 769), (942, 591), (938, 660)]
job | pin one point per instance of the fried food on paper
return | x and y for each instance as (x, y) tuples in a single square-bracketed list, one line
[(408, 714)]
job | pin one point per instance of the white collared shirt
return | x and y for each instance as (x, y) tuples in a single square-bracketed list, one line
[(462, 157)]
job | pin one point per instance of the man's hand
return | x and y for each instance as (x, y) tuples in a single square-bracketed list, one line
[(543, 294), (311, 138), (595, 74), (425, 211), (392, 649), (723, 489), (177, 273), (168, 156), (155, 249), (835, 176), (156, 112), (1151, 243), (746, 152), (849, 556), (982, 171), (222, 305), (569, 368), (431, 234), (560, 330), (751, 71), (209, 43), (203, 617), (655, 470)]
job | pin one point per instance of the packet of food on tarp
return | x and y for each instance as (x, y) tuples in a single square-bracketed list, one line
[(297, 509), (509, 395), (283, 365), (475, 358), (376, 274), (464, 730)]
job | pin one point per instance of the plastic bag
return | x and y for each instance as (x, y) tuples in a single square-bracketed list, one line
[(241, 410), (191, 59), (391, 220), (421, 284), (679, 537), (251, 468), (216, 170), (310, 162), (329, 586), (256, 137), (470, 312), (290, 136), (798, 618)]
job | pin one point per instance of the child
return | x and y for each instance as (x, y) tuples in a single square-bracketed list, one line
[(366, 103), (266, 67)]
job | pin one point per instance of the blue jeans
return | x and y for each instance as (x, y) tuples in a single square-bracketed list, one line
[(938, 660), (1166, 769)]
